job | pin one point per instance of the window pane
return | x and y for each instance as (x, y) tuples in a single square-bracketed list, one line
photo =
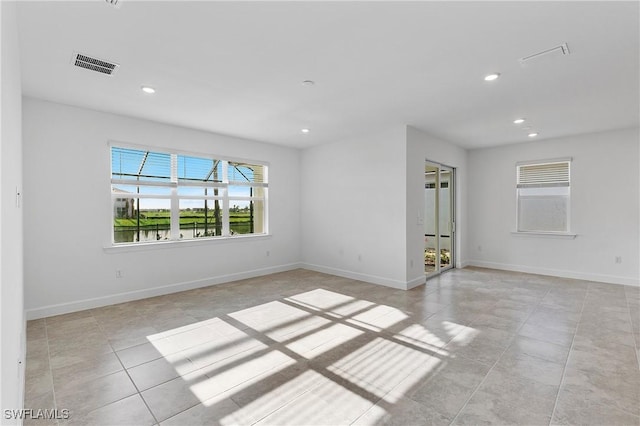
[(200, 218), (246, 217), (140, 165), (246, 191), (543, 213), (153, 222), (197, 169), (240, 191), (243, 172)]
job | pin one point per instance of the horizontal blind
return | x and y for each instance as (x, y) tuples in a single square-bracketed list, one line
[(199, 169), (140, 165), (543, 175)]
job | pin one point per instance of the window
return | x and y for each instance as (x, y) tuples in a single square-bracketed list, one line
[(166, 196), (543, 190)]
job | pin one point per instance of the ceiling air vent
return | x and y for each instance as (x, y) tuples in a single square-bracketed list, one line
[(94, 64), (112, 2)]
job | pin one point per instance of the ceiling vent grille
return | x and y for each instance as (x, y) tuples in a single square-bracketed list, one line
[(112, 2), (94, 64)]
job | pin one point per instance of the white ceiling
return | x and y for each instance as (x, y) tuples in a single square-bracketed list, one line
[(236, 67)]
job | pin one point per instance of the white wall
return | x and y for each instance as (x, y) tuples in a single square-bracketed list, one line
[(68, 213), (354, 208), (420, 147), (12, 329), (604, 209)]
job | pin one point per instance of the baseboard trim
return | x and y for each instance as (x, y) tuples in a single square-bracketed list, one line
[(97, 302), (372, 279), (416, 282), (609, 279), (79, 305)]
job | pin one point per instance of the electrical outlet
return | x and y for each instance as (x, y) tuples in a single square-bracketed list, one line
[(618, 259), (118, 273), (268, 253)]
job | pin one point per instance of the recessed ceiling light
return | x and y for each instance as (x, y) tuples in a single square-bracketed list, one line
[(305, 130), (308, 82), (518, 121), (532, 135), (148, 89), (492, 77)]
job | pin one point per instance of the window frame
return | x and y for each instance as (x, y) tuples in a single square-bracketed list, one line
[(567, 231), (174, 184)]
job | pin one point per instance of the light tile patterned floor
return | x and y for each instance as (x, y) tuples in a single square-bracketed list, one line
[(473, 346)]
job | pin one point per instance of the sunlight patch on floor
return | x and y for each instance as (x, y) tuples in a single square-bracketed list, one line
[(381, 364), (421, 337), (463, 334), (277, 396), (236, 370), (258, 355)]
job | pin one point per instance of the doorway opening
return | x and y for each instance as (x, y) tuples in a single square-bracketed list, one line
[(439, 224)]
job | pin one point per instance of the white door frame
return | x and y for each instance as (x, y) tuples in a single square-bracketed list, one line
[(450, 223)]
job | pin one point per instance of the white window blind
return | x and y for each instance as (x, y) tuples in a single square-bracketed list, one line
[(543, 175)]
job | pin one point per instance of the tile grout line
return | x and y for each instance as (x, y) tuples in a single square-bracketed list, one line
[(582, 314), (156, 422), (635, 341), (500, 357), (564, 370), (53, 390)]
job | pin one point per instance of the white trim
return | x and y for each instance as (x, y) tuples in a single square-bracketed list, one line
[(372, 279), (156, 245), (545, 161), (610, 279), (133, 196), (132, 182), (183, 183), (250, 184), (96, 302), (416, 282), (565, 235)]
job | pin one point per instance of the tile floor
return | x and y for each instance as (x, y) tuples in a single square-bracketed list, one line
[(473, 346)]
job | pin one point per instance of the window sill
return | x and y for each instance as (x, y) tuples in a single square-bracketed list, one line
[(562, 235), (124, 248)]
